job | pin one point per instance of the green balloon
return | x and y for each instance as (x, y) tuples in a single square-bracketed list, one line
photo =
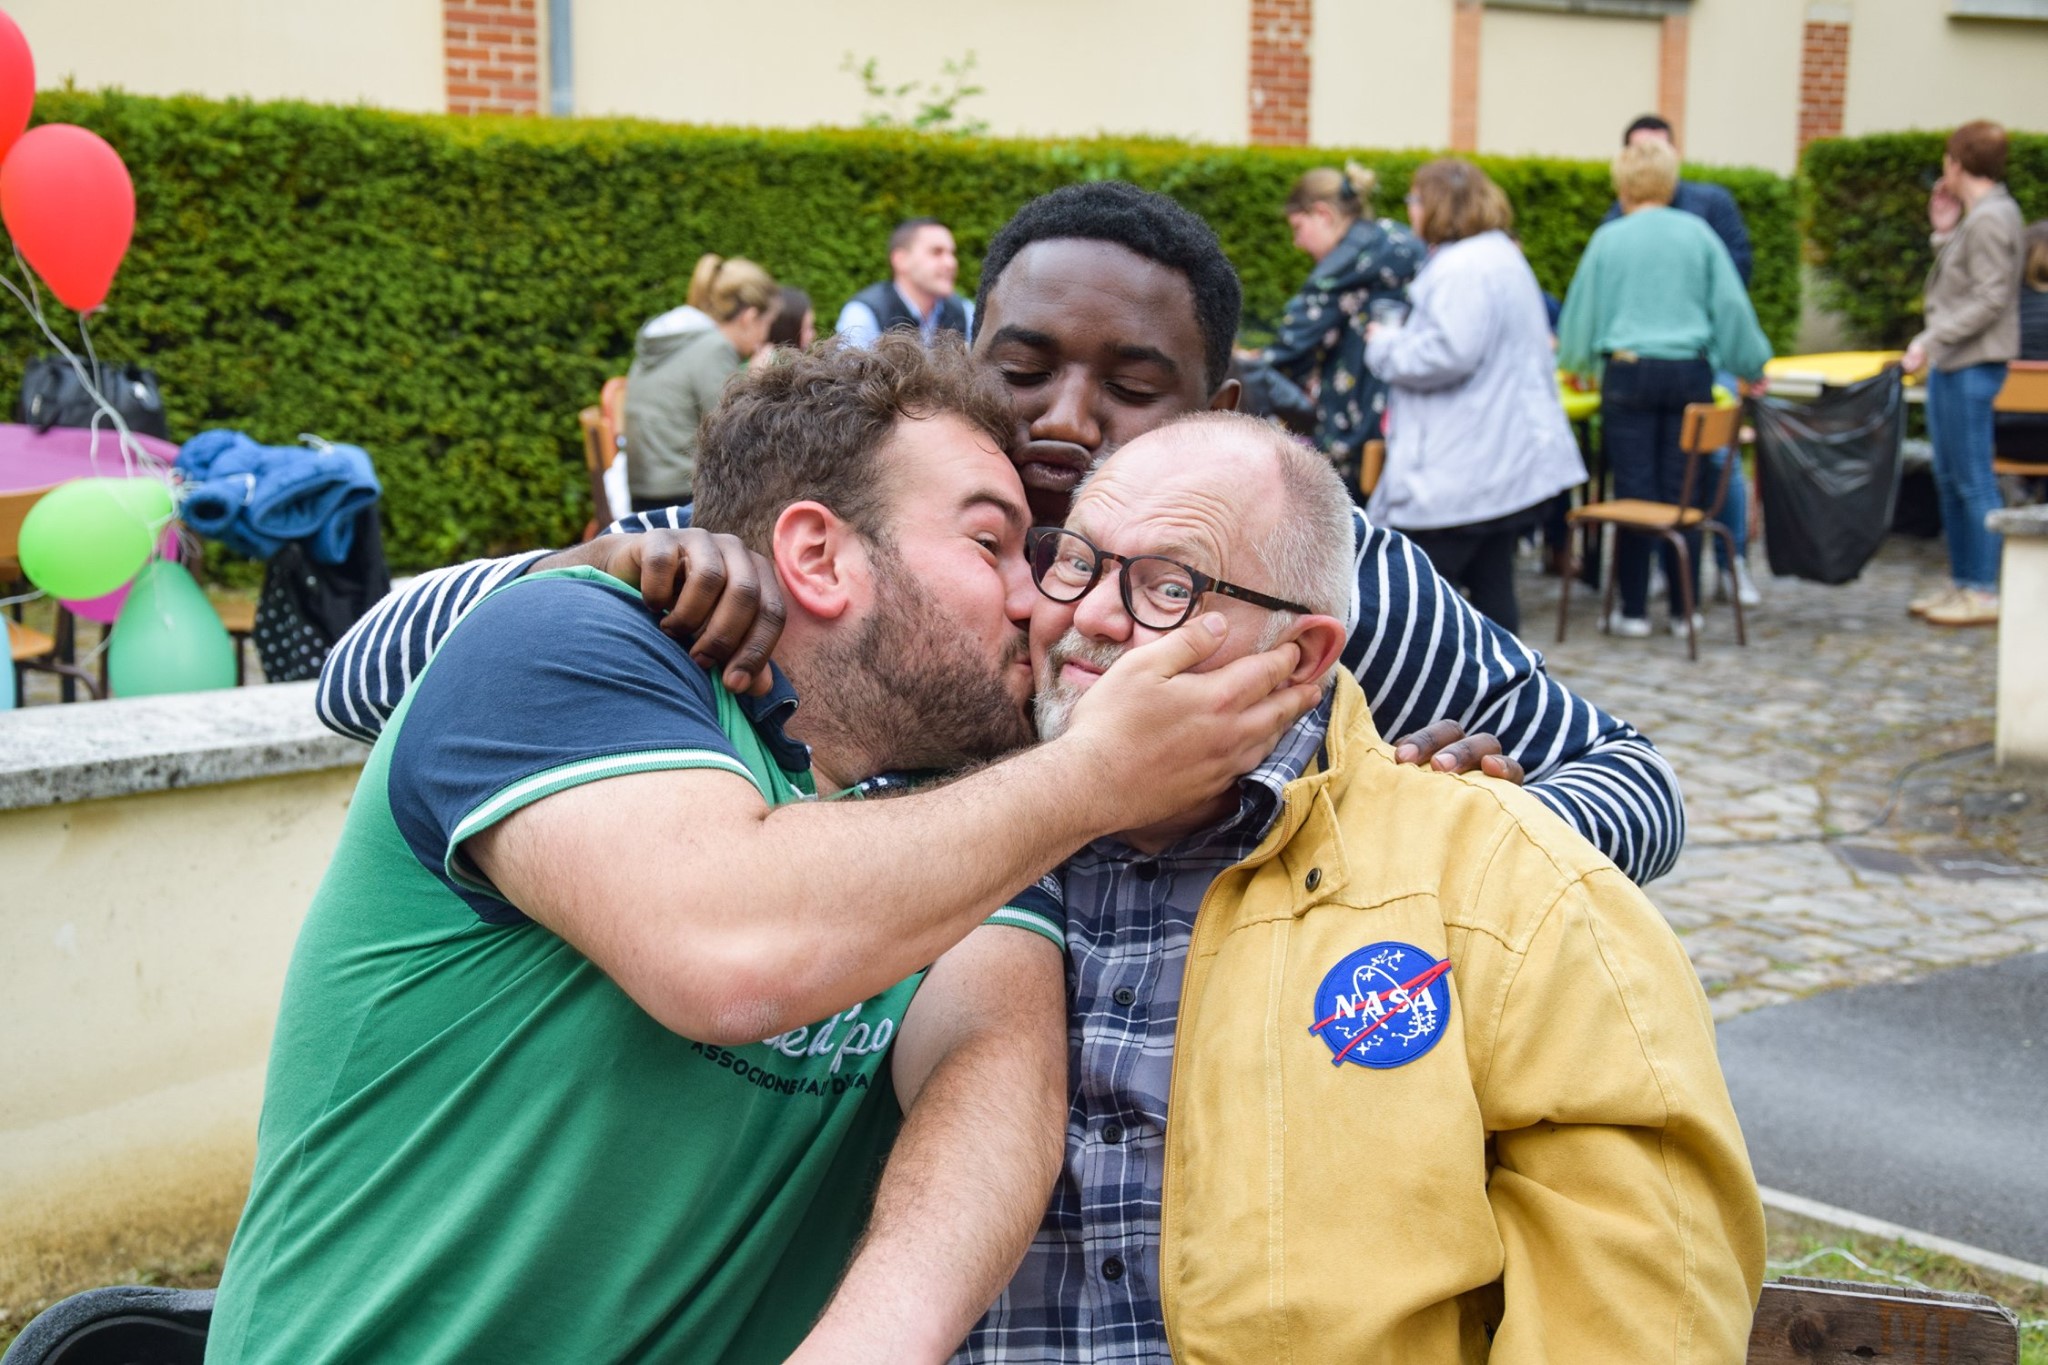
[(85, 538), (168, 638)]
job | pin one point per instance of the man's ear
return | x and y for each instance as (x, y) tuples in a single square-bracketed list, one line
[(1226, 396), (1321, 641), (821, 560)]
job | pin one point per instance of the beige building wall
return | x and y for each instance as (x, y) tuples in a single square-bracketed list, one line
[(1742, 84), (382, 52), (1562, 84), (1175, 68), (146, 939), (1912, 66), (1382, 73)]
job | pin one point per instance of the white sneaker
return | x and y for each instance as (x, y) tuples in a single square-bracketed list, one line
[(1746, 590), (1628, 627), (1699, 623), (1932, 598)]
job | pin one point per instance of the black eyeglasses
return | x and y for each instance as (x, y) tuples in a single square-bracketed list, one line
[(1158, 593)]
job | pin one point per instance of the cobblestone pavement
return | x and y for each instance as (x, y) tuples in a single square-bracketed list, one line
[(1805, 733)]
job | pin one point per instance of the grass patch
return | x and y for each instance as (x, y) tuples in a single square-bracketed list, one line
[(1791, 1239)]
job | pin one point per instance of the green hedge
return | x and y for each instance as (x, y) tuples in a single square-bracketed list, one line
[(1868, 224), (447, 292)]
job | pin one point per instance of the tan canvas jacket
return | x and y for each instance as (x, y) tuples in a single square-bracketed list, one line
[(1553, 1174), (1973, 291)]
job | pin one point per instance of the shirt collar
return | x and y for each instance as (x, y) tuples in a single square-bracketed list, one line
[(770, 715), (1261, 791)]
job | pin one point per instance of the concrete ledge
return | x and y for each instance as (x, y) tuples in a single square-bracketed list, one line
[(54, 755), (2028, 523)]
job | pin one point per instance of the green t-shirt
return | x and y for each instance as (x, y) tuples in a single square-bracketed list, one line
[(1660, 284), (473, 1145)]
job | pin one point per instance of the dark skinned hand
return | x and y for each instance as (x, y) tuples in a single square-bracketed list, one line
[(716, 597), (1446, 748)]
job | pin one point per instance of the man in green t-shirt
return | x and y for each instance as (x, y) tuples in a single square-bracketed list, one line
[(598, 1032)]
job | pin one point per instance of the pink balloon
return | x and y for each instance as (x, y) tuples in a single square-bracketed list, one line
[(106, 610), (17, 82), (69, 204)]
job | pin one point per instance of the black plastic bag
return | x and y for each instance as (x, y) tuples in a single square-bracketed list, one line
[(51, 396), (1829, 471)]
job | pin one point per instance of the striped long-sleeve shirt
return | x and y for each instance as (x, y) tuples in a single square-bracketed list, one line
[(1420, 652)]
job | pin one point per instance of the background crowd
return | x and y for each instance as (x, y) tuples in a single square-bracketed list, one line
[(1425, 359)]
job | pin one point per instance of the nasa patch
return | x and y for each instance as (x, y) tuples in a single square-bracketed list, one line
[(1383, 1006)]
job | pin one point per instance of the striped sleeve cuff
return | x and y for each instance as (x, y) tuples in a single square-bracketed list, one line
[(1033, 921)]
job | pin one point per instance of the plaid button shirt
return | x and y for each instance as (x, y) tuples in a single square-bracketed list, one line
[(1088, 1289)]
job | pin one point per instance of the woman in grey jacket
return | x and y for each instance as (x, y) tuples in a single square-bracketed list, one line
[(681, 361), (1477, 441), (1973, 329)]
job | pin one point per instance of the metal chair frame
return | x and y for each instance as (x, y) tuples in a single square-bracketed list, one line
[(1707, 428)]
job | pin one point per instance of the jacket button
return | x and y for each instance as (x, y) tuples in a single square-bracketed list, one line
[(1314, 878), (1113, 1133), (1125, 996), (1113, 1268)]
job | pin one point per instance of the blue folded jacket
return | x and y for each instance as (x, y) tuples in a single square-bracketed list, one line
[(253, 498)]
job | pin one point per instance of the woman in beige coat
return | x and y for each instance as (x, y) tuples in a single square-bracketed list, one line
[(1973, 329)]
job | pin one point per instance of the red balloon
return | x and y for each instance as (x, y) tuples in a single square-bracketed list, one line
[(17, 82), (70, 206)]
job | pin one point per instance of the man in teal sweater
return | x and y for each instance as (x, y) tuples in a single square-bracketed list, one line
[(1655, 309)]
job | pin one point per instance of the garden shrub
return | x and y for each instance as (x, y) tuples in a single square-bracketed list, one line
[(1868, 222), (448, 291)]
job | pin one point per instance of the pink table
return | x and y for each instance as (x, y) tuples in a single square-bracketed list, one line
[(29, 460)]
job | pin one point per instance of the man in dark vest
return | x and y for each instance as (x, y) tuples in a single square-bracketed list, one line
[(919, 296)]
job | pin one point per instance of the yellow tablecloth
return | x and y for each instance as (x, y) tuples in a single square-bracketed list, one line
[(1828, 367)]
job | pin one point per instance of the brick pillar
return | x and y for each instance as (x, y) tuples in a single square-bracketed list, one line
[(1280, 71), (1823, 72), (1465, 21), (1672, 41), (492, 52)]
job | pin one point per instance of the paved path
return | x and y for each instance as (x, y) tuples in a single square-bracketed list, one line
[(1802, 733), (1922, 1103)]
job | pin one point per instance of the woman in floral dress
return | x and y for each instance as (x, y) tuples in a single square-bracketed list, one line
[(1321, 339)]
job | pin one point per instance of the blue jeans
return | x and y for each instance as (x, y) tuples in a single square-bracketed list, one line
[(1642, 412), (1959, 422)]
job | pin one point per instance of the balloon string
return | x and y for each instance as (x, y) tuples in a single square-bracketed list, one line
[(131, 450)]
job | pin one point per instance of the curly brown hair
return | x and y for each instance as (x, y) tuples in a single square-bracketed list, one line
[(811, 429)]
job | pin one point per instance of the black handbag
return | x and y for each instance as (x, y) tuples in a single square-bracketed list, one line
[(51, 396)]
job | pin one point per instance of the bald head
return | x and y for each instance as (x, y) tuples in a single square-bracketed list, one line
[(1269, 512)]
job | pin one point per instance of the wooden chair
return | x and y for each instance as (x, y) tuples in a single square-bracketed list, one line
[(1708, 427), (2025, 392), (604, 436), (240, 619), (1800, 1321), (1372, 462)]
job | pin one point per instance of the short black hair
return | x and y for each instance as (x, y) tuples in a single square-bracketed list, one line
[(906, 232), (1149, 224), (1648, 123)]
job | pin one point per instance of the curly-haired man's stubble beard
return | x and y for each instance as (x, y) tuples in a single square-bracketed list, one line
[(911, 692)]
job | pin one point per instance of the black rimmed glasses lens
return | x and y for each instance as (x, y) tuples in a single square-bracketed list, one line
[(1158, 593)]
